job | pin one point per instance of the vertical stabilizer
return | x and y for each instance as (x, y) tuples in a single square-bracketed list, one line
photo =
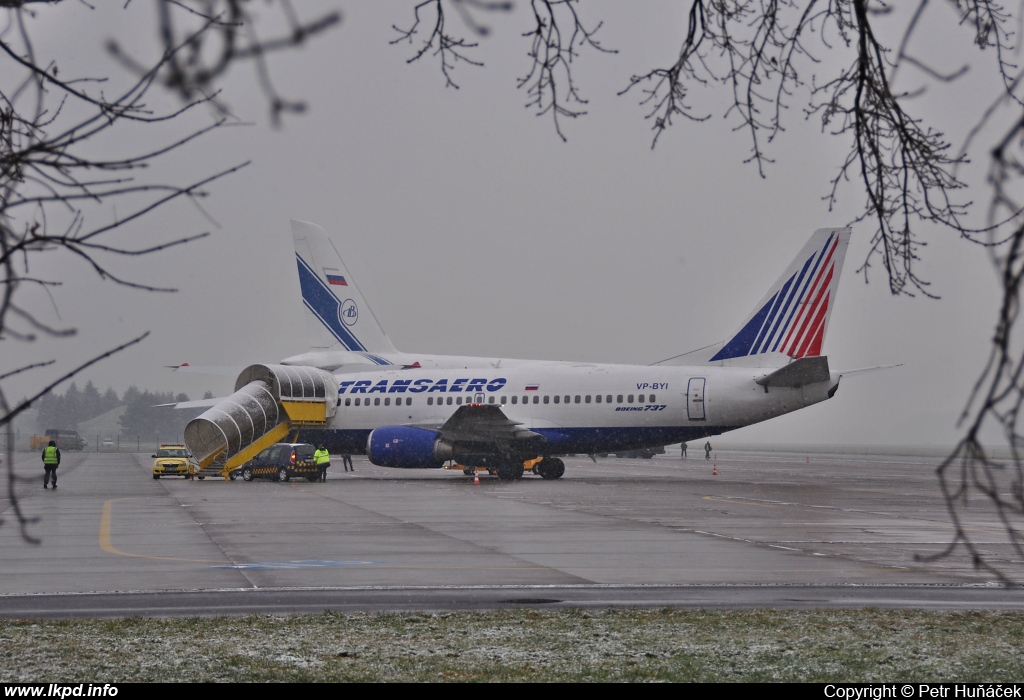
[(791, 320), (337, 315)]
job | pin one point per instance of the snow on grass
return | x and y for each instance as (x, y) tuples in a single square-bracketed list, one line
[(526, 645)]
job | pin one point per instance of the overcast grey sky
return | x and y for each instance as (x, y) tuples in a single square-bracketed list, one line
[(472, 229)]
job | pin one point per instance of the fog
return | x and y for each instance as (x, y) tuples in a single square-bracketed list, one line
[(473, 229)]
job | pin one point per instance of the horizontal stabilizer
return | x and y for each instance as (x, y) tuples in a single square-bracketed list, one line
[(865, 370), (807, 370)]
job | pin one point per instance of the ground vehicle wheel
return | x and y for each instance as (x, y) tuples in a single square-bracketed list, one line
[(313, 479), (201, 478), (470, 471), (247, 474), (156, 476), (233, 476), (551, 468), (282, 474)]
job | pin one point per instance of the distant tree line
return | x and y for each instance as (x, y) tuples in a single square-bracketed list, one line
[(143, 416)]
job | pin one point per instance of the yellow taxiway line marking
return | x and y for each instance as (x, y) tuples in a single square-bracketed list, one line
[(107, 546)]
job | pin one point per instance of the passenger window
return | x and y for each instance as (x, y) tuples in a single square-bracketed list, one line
[(608, 399), (577, 398), (587, 399), (430, 400), (567, 399), (597, 398), (629, 399), (619, 398), (357, 402), (458, 401), (502, 400), (651, 398), (449, 400), (348, 402), (515, 399), (536, 399), (640, 399), (546, 399), (556, 398), (490, 399), (387, 401), (376, 402)]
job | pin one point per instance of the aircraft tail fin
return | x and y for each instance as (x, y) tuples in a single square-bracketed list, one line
[(337, 315), (790, 322)]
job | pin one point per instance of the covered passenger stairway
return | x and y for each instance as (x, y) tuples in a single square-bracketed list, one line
[(270, 401)]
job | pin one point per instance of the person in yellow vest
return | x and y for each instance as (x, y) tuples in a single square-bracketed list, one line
[(51, 460), (322, 459)]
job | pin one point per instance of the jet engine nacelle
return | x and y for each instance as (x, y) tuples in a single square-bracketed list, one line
[(407, 448)]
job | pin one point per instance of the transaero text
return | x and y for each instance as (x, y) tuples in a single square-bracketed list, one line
[(418, 386), (923, 690)]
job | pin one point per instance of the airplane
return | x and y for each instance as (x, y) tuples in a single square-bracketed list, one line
[(356, 394)]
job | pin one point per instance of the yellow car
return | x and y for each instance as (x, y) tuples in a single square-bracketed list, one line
[(172, 460)]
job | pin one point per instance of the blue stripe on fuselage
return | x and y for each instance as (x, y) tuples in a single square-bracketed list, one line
[(560, 441)]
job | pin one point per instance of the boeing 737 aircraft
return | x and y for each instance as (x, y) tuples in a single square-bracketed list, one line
[(356, 394)]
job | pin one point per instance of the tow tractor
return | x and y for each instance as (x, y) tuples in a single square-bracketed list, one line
[(544, 467)]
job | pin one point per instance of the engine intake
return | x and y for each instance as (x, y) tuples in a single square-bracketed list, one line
[(407, 448)]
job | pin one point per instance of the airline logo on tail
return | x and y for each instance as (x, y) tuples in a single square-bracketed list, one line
[(793, 320), (337, 316)]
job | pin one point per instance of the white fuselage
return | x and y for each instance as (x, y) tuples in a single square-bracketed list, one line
[(577, 407)]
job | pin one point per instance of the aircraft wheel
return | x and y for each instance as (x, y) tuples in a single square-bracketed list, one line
[(282, 475), (247, 474), (551, 468), (510, 472)]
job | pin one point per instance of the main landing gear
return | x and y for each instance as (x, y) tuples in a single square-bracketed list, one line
[(550, 468)]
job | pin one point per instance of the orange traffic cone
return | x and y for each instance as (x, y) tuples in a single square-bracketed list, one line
[(476, 479), (714, 470)]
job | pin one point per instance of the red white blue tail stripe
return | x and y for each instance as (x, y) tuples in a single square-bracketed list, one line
[(793, 319)]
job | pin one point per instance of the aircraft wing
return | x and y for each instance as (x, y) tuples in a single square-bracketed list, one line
[(198, 403), (487, 424)]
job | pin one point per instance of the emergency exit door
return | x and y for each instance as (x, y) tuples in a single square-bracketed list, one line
[(695, 398)]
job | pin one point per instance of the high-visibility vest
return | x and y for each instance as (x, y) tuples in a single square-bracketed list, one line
[(50, 455), (321, 457)]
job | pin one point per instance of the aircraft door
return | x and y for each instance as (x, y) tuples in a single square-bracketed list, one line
[(695, 399)]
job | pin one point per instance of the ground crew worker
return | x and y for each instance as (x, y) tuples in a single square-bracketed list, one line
[(683, 450), (707, 450), (322, 459), (346, 461), (51, 460)]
